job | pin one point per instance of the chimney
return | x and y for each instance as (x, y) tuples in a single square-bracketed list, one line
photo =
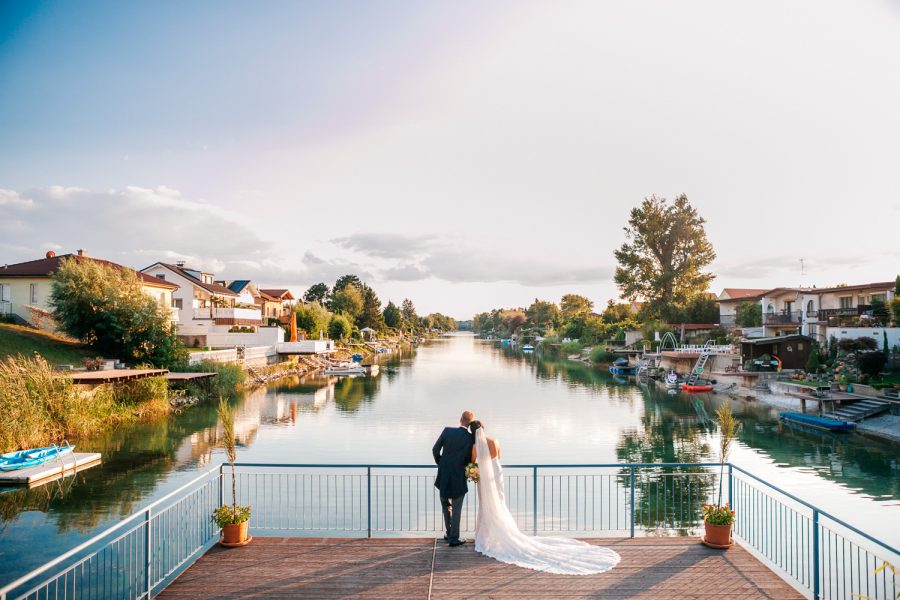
[(50, 254), (179, 264), (82, 252)]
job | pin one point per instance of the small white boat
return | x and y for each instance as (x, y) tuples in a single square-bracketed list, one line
[(527, 348), (345, 369)]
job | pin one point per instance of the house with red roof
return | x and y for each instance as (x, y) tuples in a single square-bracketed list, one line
[(25, 288)]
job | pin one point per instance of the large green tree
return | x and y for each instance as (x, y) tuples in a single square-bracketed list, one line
[(410, 318), (317, 292), (347, 280), (313, 318), (106, 307), (542, 315), (348, 300), (573, 305), (393, 318), (664, 259), (370, 315)]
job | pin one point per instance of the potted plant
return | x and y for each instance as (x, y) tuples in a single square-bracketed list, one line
[(233, 519), (719, 518)]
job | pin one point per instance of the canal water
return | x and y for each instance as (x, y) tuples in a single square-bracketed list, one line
[(542, 411)]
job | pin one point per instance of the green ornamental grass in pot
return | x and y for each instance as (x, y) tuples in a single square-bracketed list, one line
[(232, 518), (718, 518)]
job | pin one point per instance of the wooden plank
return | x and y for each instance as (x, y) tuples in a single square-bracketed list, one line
[(417, 568), (188, 376), (70, 462)]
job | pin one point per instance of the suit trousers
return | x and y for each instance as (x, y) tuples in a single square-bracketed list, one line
[(452, 509)]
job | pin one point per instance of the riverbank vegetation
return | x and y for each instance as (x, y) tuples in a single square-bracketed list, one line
[(351, 305), (39, 405)]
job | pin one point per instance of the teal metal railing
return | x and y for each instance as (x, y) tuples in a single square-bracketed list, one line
[(815, 551)]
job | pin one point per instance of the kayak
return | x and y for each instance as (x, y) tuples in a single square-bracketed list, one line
[(23, 459), (696, 388)]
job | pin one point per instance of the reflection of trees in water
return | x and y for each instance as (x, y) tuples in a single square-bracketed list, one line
[(351, 392), (672, 431)]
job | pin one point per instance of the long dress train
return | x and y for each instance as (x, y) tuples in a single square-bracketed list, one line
[(498, 536)]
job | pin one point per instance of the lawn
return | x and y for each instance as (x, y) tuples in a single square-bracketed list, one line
[(15, 339)]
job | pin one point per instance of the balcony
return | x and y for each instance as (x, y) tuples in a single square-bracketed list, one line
[(728, 320), (850, 312), (774, 319), (230, 316)]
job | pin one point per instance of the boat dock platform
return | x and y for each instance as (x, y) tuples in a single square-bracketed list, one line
[(67, 464)]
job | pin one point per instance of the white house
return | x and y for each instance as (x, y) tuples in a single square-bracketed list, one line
[(208, 311)]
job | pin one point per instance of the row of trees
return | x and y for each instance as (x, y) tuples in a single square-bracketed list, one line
[(350, 305), (106, 308), (572, 318)]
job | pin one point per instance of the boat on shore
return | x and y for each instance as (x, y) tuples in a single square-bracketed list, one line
[(696, 387), (527, 348), (817, 422), (345, 369), (22, 459), (621, 368)]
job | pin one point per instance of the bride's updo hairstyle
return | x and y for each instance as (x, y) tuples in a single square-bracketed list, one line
[(475, 426)]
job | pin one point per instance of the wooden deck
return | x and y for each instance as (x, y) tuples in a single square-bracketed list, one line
[(667, 568)]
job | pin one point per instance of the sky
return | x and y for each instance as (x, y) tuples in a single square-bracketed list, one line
[(467, 155)]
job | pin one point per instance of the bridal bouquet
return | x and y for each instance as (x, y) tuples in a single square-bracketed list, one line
[(472, 472)]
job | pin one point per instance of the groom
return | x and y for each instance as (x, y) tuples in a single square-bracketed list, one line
[(452, 453)]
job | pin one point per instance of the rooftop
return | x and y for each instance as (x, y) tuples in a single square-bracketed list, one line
[(45, 267), (214, 288), (651, 567)]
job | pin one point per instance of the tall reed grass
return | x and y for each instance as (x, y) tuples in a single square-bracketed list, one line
[(40, 406)]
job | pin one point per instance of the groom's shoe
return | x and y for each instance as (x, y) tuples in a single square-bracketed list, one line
[(455, 543), (446, 539)]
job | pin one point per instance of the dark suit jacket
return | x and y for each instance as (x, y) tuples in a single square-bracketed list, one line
[(452, 452)]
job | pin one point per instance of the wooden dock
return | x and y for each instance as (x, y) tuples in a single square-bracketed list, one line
[(71, 463), (656, 567)]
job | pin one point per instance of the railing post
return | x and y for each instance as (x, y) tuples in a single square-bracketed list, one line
[(222, 484), (148, 578), (369, 500), (730, 487), (632, 501), (815, 554), (534, 499)]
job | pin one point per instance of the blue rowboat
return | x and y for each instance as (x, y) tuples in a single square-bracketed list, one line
[(23, 459), (622, 371), (816, 422)]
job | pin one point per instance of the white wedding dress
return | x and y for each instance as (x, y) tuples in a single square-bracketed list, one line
[(498, 536)]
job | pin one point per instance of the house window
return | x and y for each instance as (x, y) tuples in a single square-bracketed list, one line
[(882, 297), (810, 308), (161, 276), (177, 303), (861, 301), (846, 301), (32, 293), (5, 293)]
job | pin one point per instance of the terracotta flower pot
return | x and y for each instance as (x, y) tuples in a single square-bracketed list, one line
[(718, 535), (236, 533)]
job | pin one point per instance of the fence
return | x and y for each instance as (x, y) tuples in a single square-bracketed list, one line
[(815, 551)]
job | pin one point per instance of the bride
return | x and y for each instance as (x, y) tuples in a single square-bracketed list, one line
[(498, 536)]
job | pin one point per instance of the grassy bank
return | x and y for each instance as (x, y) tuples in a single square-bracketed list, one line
[(16, 339), (39, 406)]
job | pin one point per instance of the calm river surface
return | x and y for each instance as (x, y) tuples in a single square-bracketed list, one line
[(542, 411)]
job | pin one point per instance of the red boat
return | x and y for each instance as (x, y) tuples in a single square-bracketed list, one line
[(696, 388)]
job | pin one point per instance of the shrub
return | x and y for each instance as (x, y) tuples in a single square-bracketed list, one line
[(570, 347), (229, 379), (860, 343), (599, 354), (339, 328), (871, 363), (895, 309)]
